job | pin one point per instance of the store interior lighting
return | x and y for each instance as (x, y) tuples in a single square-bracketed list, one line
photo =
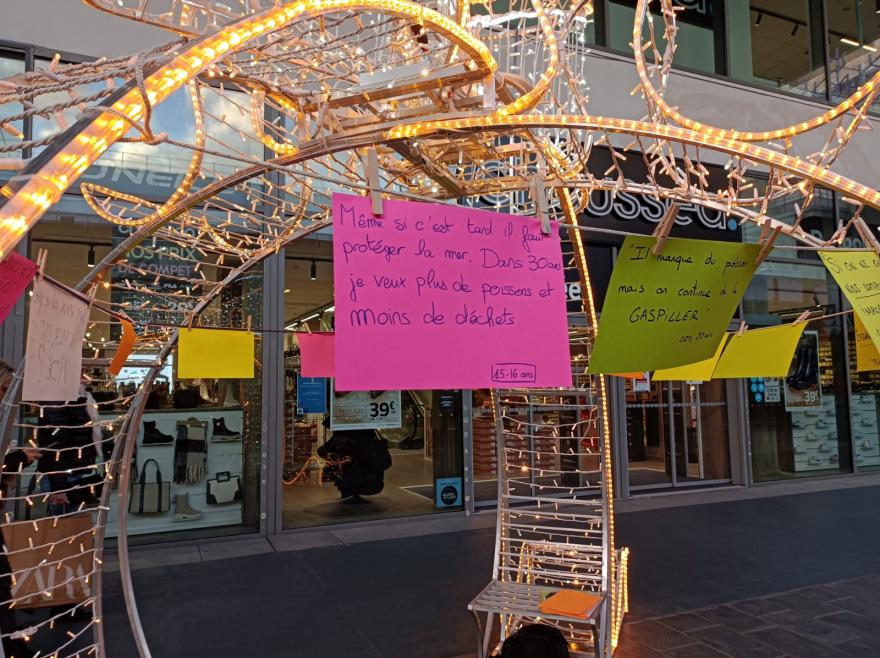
[(761, 18), (91, 259), (313, 271)]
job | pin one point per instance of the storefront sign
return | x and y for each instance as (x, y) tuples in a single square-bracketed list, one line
[(311, 395), (215, 354), (867, 355), (16, 273), (433, 296), (56, 327), (772, 390), (763, 352), (642, 384), (365, 410), (701, 371), (802, 386), (858, 275), (448, 492), (670, 309)]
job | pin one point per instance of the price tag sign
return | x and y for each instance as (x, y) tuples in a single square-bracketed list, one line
[(365, 410)]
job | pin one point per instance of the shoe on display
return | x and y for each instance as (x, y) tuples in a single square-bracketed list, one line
[(153, 437), (798, 425), (821, 423), (835, 458), (824, 447), (798, 450), (183, 511), (811, 437), (859, 458), (814, 461), (869, 421), (223, 433)]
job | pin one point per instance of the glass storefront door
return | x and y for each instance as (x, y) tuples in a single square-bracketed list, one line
[(676, 433)]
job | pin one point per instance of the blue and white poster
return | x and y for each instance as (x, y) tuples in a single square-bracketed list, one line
[(311, 395), (448, 492)]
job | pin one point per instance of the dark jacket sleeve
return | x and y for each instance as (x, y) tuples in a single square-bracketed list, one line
[(14, 461)]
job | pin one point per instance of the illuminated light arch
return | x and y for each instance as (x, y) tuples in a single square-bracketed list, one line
[(867, 92), (53, 172)]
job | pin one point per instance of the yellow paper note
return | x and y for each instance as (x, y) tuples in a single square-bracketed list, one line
[(867, 355), (760, 352), (669, 309), (701, 371), (858, 275), (215, 354)]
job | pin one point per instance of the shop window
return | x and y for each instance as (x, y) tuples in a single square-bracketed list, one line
[(853, 35), (354, 456), (700, 33), (798, 424), (202, 437), (775, 44)]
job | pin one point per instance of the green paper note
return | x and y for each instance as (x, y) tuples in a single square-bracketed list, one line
[(673, 309)]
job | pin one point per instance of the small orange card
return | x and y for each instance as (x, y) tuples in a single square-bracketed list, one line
[(571, 603)]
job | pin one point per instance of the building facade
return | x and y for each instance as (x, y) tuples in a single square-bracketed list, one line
[(743, 63)]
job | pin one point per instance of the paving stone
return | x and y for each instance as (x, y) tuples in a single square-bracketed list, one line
[(686, 622), (655, 635), (862, 626), (735, 645), (857, 648), (824, 593), (629, 648), (695, 651), (758, 607), (803, 604), (793, 644), (859, 606), (732, 618), (811, 627)]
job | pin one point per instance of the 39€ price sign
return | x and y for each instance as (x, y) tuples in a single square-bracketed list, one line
[(365, 410)]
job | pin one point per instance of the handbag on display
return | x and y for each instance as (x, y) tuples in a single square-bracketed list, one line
[(223, 488), (149, 497)]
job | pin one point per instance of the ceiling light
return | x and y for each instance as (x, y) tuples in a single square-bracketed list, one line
[(286, 290), (313, 271), (850, 42), (761, 18), (91, 260)]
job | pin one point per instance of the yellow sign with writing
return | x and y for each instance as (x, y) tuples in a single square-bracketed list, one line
[(760, 352), (701, 371), (215, 354), (867, 355), (858, 275), (670, 309)]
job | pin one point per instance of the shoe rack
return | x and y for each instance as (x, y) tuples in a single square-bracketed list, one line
[(814, 437), (865, 410)]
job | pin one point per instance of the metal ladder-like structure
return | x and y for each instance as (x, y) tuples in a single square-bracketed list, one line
[(554, 527)]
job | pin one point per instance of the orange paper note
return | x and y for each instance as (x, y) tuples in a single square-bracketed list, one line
[(126, 343), (571, 603)]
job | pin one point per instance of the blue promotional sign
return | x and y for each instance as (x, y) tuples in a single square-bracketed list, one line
[(448, 492), (311, 395)]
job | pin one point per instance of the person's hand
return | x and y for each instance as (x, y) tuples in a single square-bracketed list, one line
[(31, 454), (59, 499)]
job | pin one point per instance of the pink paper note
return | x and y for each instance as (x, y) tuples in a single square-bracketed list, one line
[(433, 296), (317, 352), (16, 273)]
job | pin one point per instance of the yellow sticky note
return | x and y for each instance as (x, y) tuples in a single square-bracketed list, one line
[(701, 371), (669, 309), (867, 355), (760, 352), (215, 354), (858, 275)]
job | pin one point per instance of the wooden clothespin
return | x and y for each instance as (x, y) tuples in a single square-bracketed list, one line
[(42, 256), (249, 318), (539, 192), (489, 101), (190, 320), (803, 317), (664, 227), (767, 245), (867, 236), (371, 169), (742, 328)]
